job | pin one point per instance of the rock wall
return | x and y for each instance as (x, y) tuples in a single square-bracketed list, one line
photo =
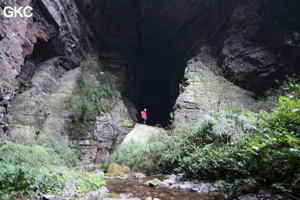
[(56, 29), (204, 91), (17, 38), (254, 42), (258, 42), (110, 127), (45, 109), (28, 111), (41, 59)]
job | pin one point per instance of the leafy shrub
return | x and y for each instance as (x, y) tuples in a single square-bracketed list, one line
[(270, 99), (17, 180), (139, 154), (85, 181), (24, 180), (285, 118), (219, 128)]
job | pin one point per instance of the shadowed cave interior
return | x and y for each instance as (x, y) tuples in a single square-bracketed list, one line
[(157, 76)]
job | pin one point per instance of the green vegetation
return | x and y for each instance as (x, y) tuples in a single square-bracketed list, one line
[(155, 181), (26, 170), (88, 102), (242, 149), (270, 101), (110, 174), (26, 165), (141, 155), (22, 181), (43, 151), (86, 181), (17, 179)]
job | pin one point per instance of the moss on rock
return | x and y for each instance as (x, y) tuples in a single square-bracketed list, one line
[(118, 169)]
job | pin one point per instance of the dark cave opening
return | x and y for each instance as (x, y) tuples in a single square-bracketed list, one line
[(154, 95), (157, 74), (154, 72), (46, 49)]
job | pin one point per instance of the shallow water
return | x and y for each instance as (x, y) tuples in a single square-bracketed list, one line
[(138, 189)]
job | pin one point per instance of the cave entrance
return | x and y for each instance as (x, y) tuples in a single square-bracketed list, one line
[(157, 75), (154, 95)]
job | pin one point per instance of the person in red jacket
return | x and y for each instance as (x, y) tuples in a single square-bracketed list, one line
[(144, 115)]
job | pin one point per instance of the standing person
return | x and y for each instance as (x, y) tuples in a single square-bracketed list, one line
[(144, 115)]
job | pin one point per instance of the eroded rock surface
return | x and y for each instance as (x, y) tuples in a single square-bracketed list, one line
[(45, 108), (29, 110), (205, 91)]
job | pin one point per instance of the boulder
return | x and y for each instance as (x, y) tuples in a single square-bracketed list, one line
[(70, 187), (186, 186), (170, 181), (154, 183), (115, 168), (142, 133)]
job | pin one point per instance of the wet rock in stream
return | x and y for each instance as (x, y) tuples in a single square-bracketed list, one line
[(156, 187)]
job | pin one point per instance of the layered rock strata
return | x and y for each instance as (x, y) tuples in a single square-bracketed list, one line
[(204, 91)]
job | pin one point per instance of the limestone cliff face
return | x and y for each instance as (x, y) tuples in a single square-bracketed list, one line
[(41, 59), (45, 108), (205, 91), (185, 57), (54, 30)]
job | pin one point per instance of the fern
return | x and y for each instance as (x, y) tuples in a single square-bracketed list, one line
[(224, 126), (206, 121), (246, 124)]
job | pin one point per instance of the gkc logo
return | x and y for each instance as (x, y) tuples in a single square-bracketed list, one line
[(17, 11)]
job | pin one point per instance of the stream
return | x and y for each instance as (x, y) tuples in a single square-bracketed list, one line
[(136, 188)]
